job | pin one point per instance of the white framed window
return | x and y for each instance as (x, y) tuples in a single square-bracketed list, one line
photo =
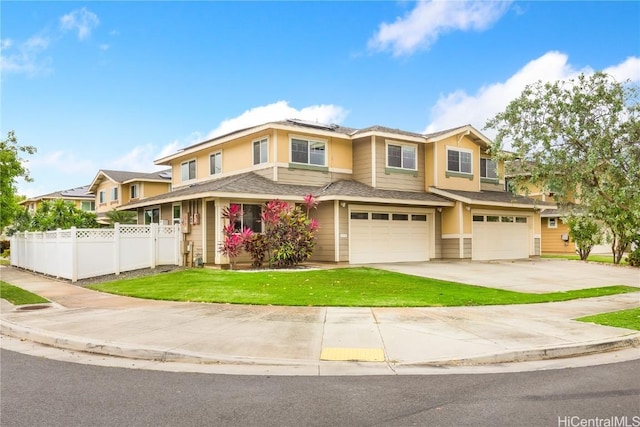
[(308, 152), (188, 170), (114, 194), (488, 169), (102, 196), (177, 213), (251, 218), (152, 216), (402, 156), (88, 206), (459, 161), (215, 163), (552, 222), (261, 151), (134, 191)]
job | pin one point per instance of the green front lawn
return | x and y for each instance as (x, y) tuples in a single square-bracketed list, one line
[(629, 319), (18, 296), (350, 287), (606, 259)]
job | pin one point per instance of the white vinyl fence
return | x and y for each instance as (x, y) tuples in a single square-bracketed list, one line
[(80, 253)]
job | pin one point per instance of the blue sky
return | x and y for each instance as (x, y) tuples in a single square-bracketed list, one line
[(116, 85)]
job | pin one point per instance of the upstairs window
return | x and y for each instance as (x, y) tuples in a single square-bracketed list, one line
[(134, 191), (215, 163), (308, 152), (488, 169), (260, 151), (102, 196), (114, 194), (188, 170), (401, 156), (459, 161)]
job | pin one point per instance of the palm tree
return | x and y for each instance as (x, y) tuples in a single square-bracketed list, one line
[(122, 217)]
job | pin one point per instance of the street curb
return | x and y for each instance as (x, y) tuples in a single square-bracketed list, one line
[(132, 351), (141, 352), (631, 340)]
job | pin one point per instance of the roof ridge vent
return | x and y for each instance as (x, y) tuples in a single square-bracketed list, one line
[(316, 125)]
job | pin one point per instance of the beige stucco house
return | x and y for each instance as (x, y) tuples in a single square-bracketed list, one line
[(386, 195), (111, 189), (79, 196)]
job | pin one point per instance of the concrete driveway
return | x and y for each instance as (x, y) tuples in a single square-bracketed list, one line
[(533, 276)]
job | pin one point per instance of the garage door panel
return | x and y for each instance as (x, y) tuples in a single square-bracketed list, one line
[(388, 240), (500, 237)]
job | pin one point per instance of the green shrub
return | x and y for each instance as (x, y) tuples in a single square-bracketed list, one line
[(634, 256)]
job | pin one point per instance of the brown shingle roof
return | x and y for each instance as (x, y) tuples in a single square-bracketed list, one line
[(504, 197), (250, 183)]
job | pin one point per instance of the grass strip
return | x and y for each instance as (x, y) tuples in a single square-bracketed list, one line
[(18, 296), (342, 287), (629, 319), (604, 259)]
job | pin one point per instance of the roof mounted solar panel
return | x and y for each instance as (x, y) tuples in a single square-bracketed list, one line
[(313, 124)]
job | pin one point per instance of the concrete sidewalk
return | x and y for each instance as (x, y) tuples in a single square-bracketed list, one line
[(311, 340)]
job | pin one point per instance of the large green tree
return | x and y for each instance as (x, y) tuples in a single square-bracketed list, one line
[(580, 138), (54, 214), (11, 168)]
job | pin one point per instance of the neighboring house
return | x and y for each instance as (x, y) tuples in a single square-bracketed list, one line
[(79, 196), (110, 189), (386, 195)]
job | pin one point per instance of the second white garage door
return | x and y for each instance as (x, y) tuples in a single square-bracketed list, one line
[(379, 235), (500, 237)]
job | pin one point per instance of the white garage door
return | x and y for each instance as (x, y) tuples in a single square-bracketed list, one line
[(500, 237), (378, 235)]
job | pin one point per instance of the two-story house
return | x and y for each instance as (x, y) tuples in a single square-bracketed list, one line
[(79, 196), (385, 195), (110, 189)]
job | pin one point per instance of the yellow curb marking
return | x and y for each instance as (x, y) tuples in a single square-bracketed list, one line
[(352, 354)]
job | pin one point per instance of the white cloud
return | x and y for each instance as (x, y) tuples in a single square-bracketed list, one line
[(459, 108), (25, 57), (628, 70), (421, 27), (81, 20), (280, 111), (61, 162)]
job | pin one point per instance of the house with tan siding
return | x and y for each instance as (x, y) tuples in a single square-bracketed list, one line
[(79, 196), (111, 189), (385, 195)]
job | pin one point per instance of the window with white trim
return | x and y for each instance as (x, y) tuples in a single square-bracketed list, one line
[(177, 214), (401, 156), (308, 152), (215, 163), (251, 218), (133, 190), (88, 206), (552, 222), (459, 161), (488, 169), (188, 170), (152, 216), (114, 194), (102, 196), (260, 151)]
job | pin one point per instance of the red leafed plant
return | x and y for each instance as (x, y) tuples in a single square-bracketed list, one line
[(234, 239)]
